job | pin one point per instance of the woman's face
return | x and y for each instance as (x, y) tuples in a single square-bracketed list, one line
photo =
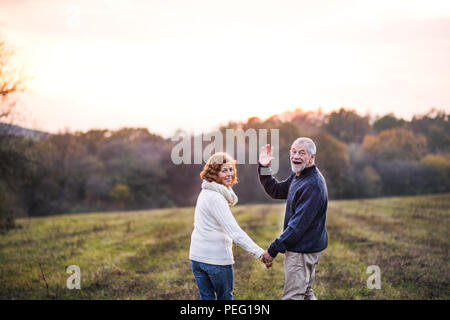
[(226, 174)]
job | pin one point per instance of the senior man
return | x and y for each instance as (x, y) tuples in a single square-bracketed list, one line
[(304, 234)]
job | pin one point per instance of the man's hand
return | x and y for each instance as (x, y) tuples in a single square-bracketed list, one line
[(265, 156), (267, 259)]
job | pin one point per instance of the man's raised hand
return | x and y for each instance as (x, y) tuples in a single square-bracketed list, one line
[(265, 156)]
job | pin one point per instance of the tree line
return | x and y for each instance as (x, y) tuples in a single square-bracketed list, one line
[(131, 168)]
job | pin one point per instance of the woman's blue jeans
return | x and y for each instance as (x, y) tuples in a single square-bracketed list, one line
[(213, 280)]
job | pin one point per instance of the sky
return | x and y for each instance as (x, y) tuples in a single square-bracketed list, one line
[(195, 65)]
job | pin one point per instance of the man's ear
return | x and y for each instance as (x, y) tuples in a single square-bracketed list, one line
[(311, 161)]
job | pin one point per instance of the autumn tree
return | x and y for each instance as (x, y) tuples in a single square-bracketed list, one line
[(11, 81), (333, 161), (347, 125), (435, 126), (440, 165), (121, 195), (389, 121), (395, 144)]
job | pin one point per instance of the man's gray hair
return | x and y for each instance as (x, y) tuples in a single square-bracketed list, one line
[(311, 145)]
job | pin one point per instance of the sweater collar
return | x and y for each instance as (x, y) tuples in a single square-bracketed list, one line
[(306, 172), (227, 192)]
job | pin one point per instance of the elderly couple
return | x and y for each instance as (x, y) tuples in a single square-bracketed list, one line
[(303, 239)]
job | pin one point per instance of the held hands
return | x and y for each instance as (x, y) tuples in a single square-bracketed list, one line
[(265, 156), (267, 259)]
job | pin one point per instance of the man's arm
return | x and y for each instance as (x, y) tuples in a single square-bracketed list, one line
[(307, 207), (275, 189)]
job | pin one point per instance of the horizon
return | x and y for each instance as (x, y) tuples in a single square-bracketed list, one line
[(202, 132), (164, 66)]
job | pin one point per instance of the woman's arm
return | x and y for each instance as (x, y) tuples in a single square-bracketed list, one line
[(221, 211)]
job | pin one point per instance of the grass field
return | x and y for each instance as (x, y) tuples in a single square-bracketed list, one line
[(144, 254)]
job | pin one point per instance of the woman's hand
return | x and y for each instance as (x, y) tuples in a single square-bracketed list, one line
[(265, 156), (266, 259)]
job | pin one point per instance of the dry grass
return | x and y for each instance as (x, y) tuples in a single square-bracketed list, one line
[(144, 254)]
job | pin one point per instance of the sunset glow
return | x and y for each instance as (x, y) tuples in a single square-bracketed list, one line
[(198, 64)]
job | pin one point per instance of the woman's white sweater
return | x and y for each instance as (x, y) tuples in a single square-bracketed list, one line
[(215, 229)]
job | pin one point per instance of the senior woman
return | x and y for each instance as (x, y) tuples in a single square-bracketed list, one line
[(215, 229)]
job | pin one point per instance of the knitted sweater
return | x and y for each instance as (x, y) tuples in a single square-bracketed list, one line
[(215, 229)]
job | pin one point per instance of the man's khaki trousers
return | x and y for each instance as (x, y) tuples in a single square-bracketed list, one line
[(299, 272)]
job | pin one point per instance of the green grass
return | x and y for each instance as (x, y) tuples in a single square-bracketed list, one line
[(144, 254)]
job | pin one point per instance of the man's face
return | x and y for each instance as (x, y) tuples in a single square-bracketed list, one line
[(300, 157)]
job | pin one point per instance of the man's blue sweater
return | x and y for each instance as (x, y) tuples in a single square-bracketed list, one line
[(306, 208)]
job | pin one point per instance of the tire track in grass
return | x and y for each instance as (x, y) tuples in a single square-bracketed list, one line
[(406, 263)]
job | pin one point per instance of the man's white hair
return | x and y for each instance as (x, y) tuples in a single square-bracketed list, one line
[(311, 145)]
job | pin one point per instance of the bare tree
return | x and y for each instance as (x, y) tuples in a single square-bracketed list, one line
[(13, 152), (11, 81)]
